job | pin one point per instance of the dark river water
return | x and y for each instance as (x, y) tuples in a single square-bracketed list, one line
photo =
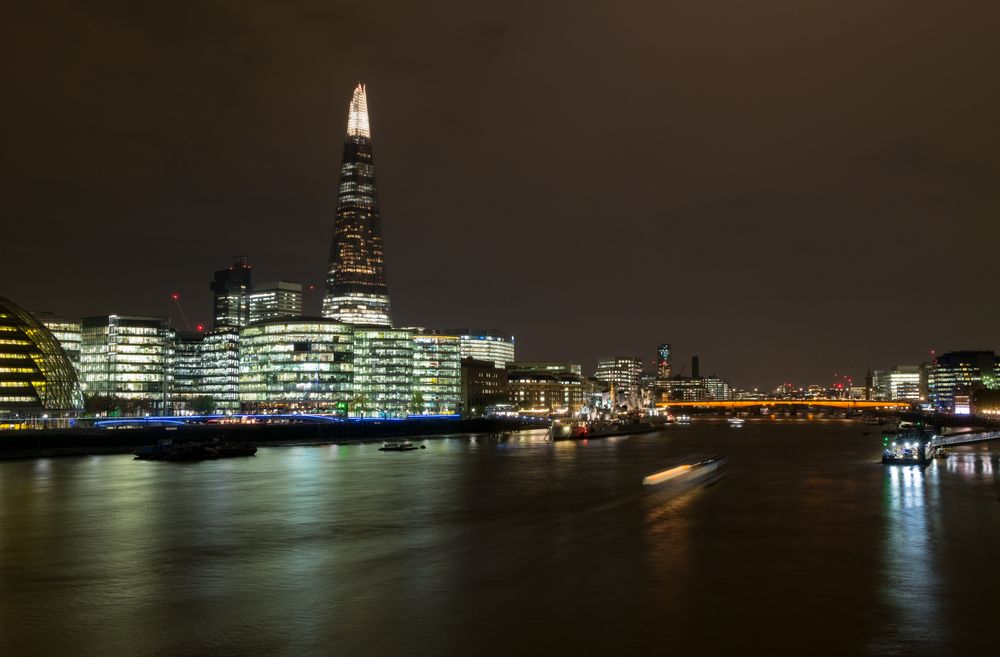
[(484, 547)]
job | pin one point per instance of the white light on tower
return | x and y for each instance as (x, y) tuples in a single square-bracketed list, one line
[(357, 120)]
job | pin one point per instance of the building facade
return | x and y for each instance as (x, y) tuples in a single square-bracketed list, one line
[(960, 374), (383, 372), (483, 385), (220, 369), (295, 365), (125, 359), (546, 392), (437, 375), (36, 375), (231, 292), (356, 289), (485, 344), (274, 300), (623, 374), (67, 332)]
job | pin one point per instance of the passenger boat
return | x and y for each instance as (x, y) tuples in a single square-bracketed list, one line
[(580, 429), (399, 446), (907, 448), (736, 421), (683, 419)]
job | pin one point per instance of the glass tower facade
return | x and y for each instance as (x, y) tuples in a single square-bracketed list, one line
[(301, 364), (35, 373), (126, 358), (437, 374), (356, 291), (273, 300), (484, 344), (220, 368), (383, 372)]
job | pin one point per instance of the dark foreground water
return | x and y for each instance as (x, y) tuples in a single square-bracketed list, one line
[(479, 547)]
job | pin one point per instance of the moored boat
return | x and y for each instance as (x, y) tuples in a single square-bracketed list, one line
[(399, 446)]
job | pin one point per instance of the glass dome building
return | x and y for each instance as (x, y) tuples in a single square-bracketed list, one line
[(36, 375)]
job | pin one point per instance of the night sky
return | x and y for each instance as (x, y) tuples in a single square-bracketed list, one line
[(787, 188)]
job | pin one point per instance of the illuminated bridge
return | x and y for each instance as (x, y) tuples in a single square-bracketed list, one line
[(850, 404)]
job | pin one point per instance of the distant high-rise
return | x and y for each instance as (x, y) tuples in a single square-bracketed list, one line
[(273, 300), (231, 288), (356, 291), (663, 361)]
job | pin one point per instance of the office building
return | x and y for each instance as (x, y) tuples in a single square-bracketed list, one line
[(547, 366), (356, 290), (663, 363), (383, 372), (220, 369), (484, 344), (295, 365), (231, 289), (274, 300), (36, 375), (67, 332), (437, 374), (901, 383), (125, 358), (960, 373), (483, 385), (184, 373), (622, 374)]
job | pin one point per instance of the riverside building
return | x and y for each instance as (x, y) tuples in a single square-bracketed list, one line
[(126, 358), (960, 374), (295, 365), (356, 290), (383, 372), (437, 374), (485, 344), (67, 332), (624, 373), (36, 375)]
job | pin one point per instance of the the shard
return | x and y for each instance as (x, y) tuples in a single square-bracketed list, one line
[(356, 291)]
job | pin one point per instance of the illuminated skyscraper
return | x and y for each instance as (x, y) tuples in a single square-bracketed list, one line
[(231, 288), (663, 369), (356, 291)]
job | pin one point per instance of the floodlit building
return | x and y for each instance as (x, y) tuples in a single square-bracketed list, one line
[(485, 344), (295, 365), (356, 290), (623, 373), (126, 358), (274, 300), (36, 375), (437, 374), (901, 383), (231, 290), (383, 372), (184, 372)]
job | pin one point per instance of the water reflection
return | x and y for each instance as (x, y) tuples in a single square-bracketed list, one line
[(911, 582)]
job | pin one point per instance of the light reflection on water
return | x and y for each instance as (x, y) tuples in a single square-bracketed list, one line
[(502, 545)]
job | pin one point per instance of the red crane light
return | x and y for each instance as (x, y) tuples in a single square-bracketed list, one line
[(200, 327)]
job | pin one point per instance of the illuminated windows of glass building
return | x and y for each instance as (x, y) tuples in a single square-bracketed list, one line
[(36, 375), (383, 372), (484, 344), (624, 374), (437, 374), (273, 300), (184, 372), (356, 290), (66, 331), (302, 364), (126, 358), (958, 374), (220, 368)]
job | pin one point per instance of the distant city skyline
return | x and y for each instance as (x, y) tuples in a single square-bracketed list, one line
[(653, 175)]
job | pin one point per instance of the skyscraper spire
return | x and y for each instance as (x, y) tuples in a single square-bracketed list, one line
[(357, 120), (356, 292)]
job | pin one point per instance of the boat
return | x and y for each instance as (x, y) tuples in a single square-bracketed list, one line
[(167, 450), (736, 421), (686, 476), (907, 448), (399, 446), (683, 419)]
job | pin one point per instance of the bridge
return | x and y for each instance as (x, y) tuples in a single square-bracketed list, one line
[(850, 404), (968, 438)]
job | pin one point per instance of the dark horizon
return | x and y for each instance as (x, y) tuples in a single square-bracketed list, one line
[(594, 182)]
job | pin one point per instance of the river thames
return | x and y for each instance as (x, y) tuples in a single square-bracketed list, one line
[(480, 546)]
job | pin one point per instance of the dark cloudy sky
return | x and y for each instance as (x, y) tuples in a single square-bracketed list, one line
[(787, 188)]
